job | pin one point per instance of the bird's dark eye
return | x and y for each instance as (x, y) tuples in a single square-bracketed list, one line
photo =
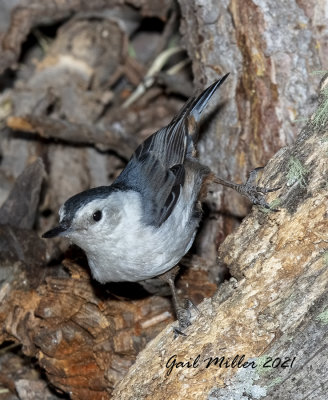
[(97, 215)]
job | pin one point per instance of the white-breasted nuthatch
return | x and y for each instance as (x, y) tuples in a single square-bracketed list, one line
[(145, 222)]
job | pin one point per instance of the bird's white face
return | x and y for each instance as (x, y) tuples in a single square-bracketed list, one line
[(92, 222)]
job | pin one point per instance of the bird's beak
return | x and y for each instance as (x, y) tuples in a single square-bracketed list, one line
[(57, 231)]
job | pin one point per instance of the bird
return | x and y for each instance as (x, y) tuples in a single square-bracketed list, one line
[(141, 225)]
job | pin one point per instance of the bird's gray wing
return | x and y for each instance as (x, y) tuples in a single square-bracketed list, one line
[(159, 186), (156, 169)]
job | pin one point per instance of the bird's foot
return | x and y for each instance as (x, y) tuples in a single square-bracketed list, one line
[(249, 189), (256, 193), (184, 316)]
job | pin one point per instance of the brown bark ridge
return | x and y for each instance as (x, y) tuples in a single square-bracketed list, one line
[(275, 306), (81, 338)]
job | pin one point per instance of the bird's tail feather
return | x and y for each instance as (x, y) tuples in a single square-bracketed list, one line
[(196, 105)]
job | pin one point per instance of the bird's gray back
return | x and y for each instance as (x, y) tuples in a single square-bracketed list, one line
[(157, 168)]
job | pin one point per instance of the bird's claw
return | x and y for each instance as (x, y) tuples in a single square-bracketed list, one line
[(249, 189), (256, 193), (184, 317), (178, 332)]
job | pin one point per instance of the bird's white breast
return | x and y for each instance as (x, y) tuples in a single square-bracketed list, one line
[(133, 251)]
